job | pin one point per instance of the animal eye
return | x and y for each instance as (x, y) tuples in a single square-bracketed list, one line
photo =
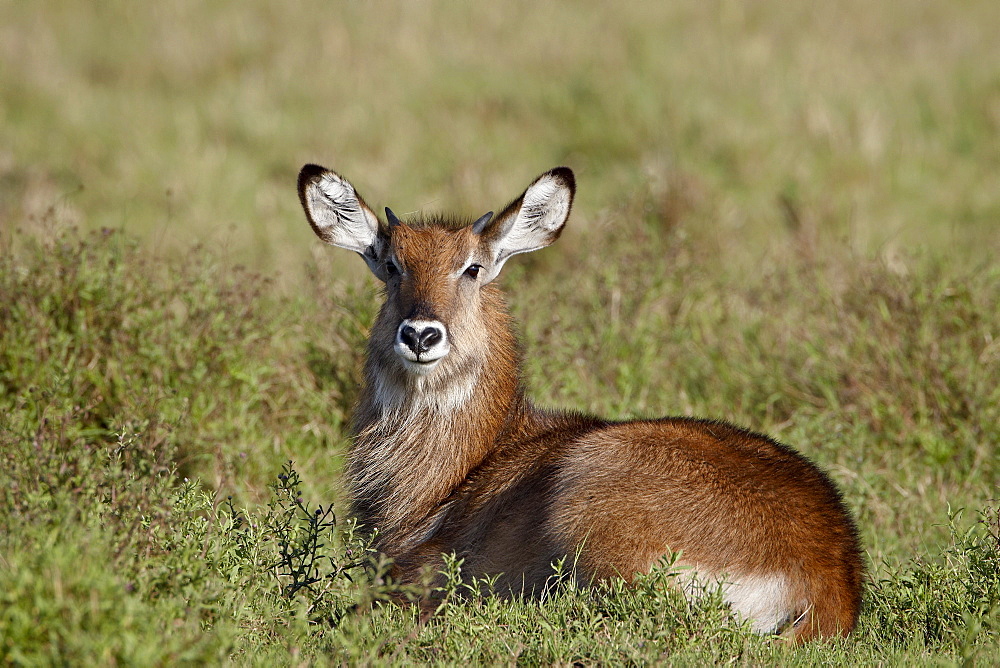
[(473, 270), (391, 269)]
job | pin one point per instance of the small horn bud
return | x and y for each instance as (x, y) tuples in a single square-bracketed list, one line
[(480, 225), (393, 221)]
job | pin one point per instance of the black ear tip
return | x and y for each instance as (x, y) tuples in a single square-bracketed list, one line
[(565, 176), (310, 173)]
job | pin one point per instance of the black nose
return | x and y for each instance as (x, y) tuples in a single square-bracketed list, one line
[(422, 341)]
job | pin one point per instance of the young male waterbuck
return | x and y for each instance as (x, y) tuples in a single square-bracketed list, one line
[(449, 456)]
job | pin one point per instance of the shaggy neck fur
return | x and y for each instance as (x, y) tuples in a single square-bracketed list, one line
[(418, 437)]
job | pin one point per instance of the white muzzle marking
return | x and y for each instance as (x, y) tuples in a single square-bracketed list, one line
[(421, 344)]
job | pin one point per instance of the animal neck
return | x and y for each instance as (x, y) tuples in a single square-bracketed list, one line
[(418, 437)]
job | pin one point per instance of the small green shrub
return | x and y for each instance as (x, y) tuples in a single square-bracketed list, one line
[(952, 602), (96, 333)]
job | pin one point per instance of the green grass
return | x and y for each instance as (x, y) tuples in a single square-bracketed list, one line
[(138, 394), (787, 218), (873, 125)]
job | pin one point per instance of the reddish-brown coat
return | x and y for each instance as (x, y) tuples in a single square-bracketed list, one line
[(479, 472)]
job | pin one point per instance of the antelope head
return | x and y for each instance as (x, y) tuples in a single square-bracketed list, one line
[(437, 273)]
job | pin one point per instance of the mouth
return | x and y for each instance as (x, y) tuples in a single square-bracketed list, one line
[(419, 366), (418, 363)]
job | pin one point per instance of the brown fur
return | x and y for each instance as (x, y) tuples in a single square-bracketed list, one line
[(510, 488)]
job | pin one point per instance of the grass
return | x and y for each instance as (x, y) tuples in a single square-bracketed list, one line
[(137, 395), (868, 125), (796, 223)]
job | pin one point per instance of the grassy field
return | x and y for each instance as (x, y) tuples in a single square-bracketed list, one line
[(788, 217)]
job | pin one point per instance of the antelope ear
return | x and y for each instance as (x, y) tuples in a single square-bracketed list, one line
[(534, 220), (340, 217)]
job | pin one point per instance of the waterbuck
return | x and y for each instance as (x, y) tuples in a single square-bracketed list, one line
[(450, 456)]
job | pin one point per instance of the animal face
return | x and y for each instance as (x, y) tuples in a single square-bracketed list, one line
[(434, 276), (435, 271)]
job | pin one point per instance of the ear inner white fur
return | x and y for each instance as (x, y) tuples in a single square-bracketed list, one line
[(337, 214), (545, 206)]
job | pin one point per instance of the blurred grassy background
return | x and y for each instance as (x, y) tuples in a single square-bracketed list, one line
[(760, 126), (788, 217)]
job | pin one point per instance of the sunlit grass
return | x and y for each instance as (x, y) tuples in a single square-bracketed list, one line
[(119, 375), (867, 124), (787, 218)]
